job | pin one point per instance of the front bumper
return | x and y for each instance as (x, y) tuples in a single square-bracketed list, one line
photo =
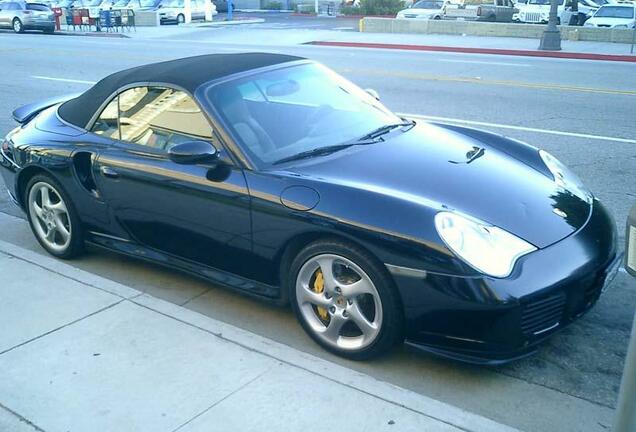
[(8, 169), (489, 321)]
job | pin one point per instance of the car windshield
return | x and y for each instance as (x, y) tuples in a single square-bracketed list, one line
[(148, 3), (121, 3), (172, 4), (278, 114), (37, 7), (616, 12), (428, 5)]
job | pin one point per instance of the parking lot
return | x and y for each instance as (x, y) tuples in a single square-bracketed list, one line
[(581, 111)]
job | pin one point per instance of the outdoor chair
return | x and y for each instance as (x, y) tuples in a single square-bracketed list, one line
[(128, 19), (106, 20)]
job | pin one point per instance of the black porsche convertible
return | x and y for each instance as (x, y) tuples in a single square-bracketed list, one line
[(273, 175)]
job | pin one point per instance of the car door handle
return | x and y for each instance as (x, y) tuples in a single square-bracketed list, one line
[(108, 172)]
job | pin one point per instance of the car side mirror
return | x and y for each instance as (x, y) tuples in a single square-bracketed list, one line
[(373, 93), (192, 152)]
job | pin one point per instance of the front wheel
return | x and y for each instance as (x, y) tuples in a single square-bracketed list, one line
[(17, 25), (345, 300), (53, 218)]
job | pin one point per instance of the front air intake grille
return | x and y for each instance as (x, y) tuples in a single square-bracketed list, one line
[(542, 314), (533, 17)]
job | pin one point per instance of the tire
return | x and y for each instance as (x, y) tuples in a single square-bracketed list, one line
[(437, 17), (180, 19), (49, 30), (59, 245), (17, 25), (335, 326)]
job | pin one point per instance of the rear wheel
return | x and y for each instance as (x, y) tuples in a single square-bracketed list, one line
[(49, 30), (180, 19), (344, 300), (17, 25), (53, 218)]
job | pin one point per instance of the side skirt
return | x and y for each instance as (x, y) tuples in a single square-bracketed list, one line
[(210, 274)]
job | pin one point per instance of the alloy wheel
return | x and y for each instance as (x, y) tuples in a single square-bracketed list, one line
[(17, 25), (50, 216), (339, 302)]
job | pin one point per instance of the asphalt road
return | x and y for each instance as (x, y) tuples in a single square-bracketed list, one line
[(581, 111)]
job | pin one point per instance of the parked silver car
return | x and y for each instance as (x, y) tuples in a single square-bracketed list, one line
[(22, 16)]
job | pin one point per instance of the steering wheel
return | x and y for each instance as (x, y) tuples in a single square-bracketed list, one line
[(312, 119)]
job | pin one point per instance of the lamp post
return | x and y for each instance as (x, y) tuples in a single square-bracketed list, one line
[(230, 6), (625, 412), (551, 38)]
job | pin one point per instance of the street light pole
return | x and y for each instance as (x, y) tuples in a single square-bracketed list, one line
[(551, 38), (625, 412)]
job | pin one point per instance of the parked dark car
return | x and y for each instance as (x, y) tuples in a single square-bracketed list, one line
[(273, 175), (21, 16)]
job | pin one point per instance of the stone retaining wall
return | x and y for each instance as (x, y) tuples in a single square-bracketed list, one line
[(473, 28)]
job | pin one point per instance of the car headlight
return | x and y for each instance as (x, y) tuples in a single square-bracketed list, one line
[(565, 178), (487, 248)]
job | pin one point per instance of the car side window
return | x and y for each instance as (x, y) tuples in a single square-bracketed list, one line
[(107, 122), (155, 117)]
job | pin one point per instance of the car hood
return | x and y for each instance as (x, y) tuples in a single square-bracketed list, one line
[(610, 21), (419, 11), (432, 165), (534, 8)]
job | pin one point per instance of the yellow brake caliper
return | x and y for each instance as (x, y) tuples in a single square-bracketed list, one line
[(319, 287)]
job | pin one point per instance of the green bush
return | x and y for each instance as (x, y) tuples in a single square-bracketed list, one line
[(273, 5), (374, 7)]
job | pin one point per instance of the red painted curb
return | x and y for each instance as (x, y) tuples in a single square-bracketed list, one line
[(496, 51), (313, 15)]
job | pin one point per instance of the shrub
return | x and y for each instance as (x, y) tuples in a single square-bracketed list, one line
[(273, 5), (374, 7)]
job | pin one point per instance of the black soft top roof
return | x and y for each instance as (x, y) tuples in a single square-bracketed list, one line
[(188, 73)]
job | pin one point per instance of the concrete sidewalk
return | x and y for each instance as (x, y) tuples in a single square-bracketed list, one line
[(80, 352)]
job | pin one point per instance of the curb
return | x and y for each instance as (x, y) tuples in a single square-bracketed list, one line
[(340, 375), (91, 34), (470, 50), (230, 23)]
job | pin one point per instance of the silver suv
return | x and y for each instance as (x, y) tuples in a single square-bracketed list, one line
[(21, 16)]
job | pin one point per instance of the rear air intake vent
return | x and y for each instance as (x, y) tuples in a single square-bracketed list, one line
[(542, 314)]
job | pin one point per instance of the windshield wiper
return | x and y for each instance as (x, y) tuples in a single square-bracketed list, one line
[(320, 151), (382, 130)]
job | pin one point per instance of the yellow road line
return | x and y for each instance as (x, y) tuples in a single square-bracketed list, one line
[(476, 80)]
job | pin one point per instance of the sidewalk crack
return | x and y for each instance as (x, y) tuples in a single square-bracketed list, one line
[(71, 277), (22, 419), (222, 399), (61, 327)]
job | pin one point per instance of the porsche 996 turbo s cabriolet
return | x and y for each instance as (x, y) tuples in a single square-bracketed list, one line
[(275, 176)]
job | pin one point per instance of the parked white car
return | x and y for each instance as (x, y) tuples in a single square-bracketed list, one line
[(538, 11), (620, 15), (424, 9), (174, 10)]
